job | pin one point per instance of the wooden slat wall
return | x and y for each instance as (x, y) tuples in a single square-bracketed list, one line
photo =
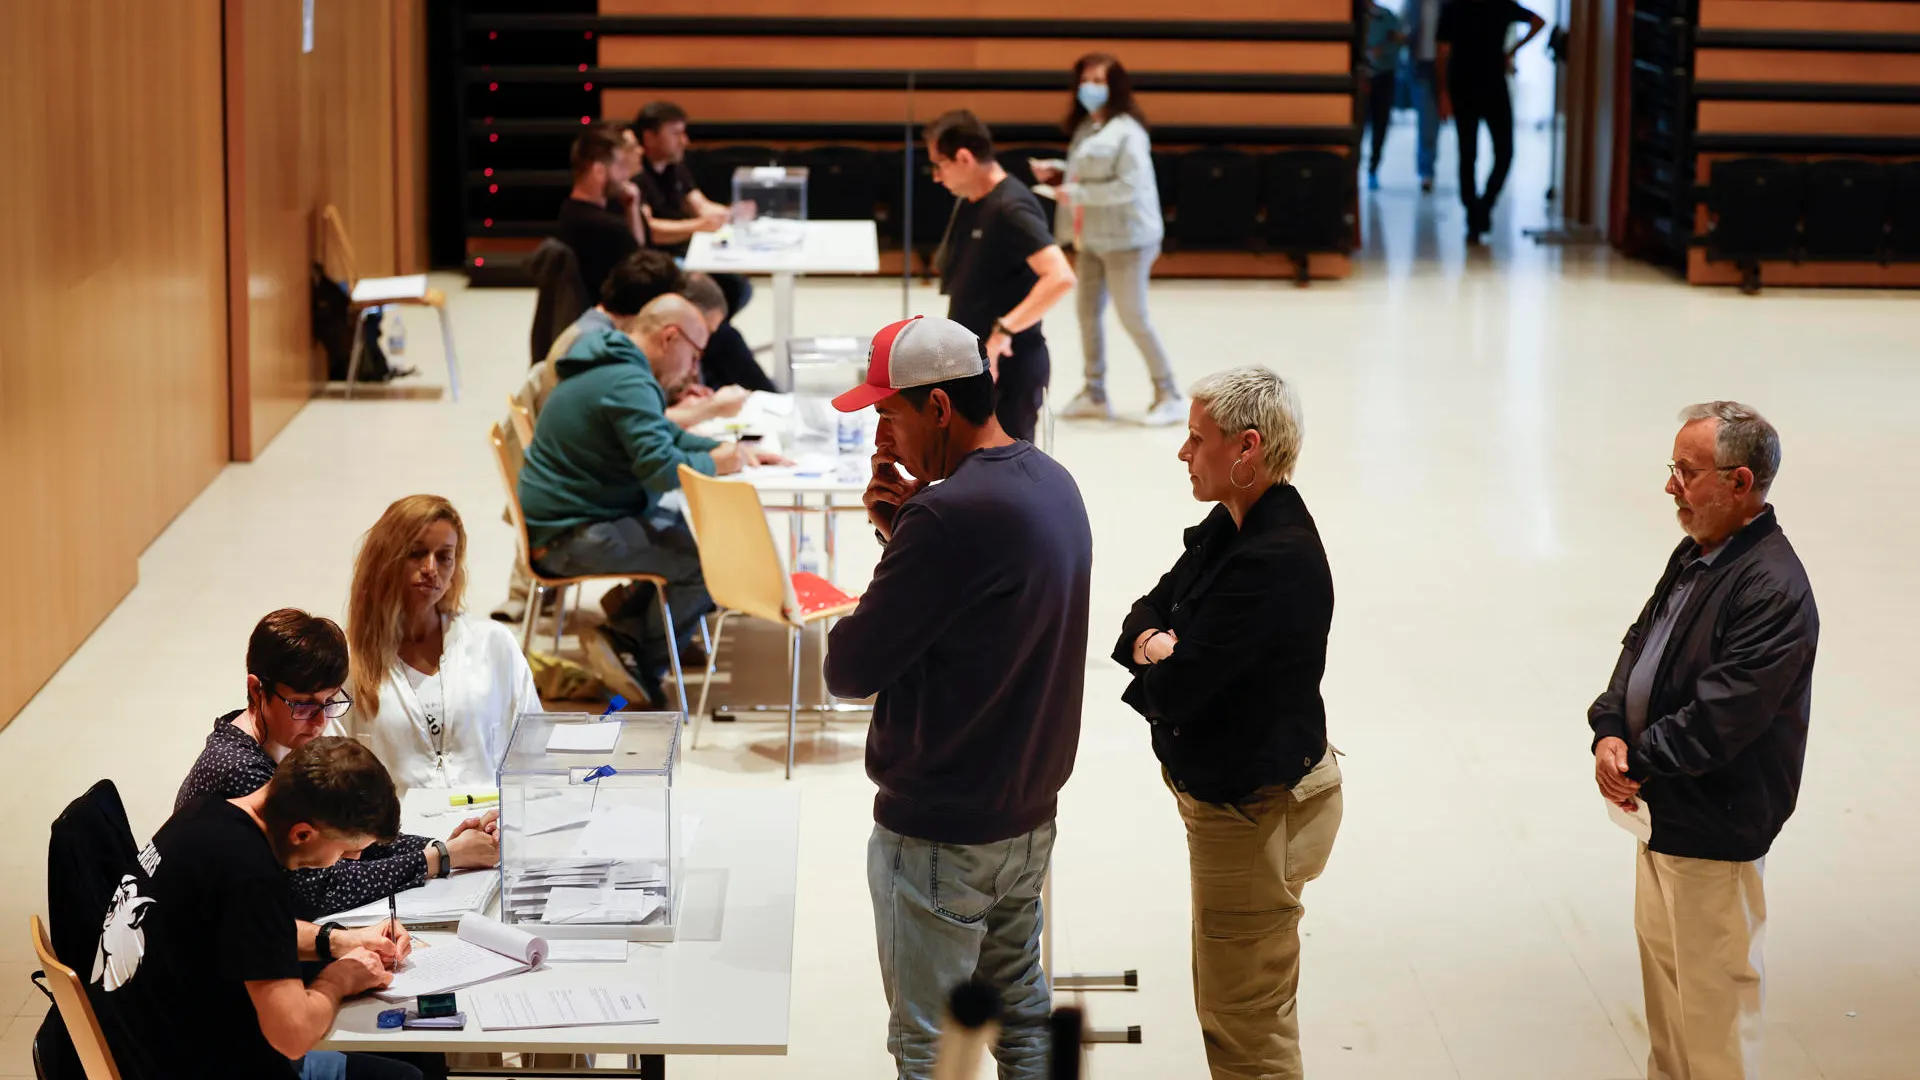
[(1786, 66), (113, 390), (750, 53), (1837, 16), (993, 106), (1161, 10)]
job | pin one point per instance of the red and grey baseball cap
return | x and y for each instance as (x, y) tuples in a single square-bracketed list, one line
[(919, 351)]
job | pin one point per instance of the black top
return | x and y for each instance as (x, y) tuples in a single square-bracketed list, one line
[(974, 634), (233, 765), (1720, 758), (1477, 32), (986, 273), (599, 238), (1237, 706), (665, 192), (729, 361), (179, 947)]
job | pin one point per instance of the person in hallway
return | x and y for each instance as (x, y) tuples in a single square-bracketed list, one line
[(1227, 652), (633, 284), (1705, 721), (603, 453), (199, 962), (1473, 63), (999, 266), (601, 219), (973, 634), (296, 667), (1384, 41), (728, 361), (1420, 21), (435, 690), (1110, 210), (676, 207)]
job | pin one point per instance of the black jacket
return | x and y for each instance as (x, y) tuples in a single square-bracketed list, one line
[(1237, 706), (1719, 761)]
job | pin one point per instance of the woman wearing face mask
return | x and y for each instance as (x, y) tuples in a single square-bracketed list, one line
[(1226, 654), (435, 690), (1110, 207)]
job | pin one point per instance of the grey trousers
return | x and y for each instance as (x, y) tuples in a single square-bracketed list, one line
[(1124, 274)]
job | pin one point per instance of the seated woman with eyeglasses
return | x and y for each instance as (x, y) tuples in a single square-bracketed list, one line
[(436, 690), (296, 667)]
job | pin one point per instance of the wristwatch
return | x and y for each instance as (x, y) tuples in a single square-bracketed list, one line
[(446, 860), (323, 941), (1001, 327)]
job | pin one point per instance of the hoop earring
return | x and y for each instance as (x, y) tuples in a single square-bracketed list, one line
[(1250, 477)]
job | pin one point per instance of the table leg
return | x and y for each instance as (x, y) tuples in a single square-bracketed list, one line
[(796, 531), (782, 330)]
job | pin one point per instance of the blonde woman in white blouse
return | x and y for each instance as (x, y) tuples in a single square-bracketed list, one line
[(435, 690)]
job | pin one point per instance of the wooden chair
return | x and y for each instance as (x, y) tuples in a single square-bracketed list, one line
[(76, 1010), (522, 422), (510, 477), (368, 293), (744, 576)]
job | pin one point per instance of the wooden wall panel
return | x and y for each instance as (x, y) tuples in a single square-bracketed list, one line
[(1838, 16), (112, 333), (410, 136), (1808, 118), (968, 54), (993, 106), (1146, 10), (1785, 66)]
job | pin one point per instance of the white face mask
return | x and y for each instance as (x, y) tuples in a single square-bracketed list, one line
[(1093, 96)]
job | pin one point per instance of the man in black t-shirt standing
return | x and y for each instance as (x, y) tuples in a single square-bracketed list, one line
[(601, 219), (999, 265), (1472, 63), (199, 960), (676, 207)]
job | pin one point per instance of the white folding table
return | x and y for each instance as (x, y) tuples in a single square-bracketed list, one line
[(724, 987), (828, 247)]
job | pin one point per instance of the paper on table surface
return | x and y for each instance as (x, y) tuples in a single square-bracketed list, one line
[(512, 1010), (587, 951), (373, 290), (597, 738), (484, 949), (439, 900), (1639, 823)]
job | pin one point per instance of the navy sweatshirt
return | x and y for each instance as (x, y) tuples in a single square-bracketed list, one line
[(974, 636)]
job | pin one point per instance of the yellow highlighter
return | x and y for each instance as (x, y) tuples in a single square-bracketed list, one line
[(474, 800)]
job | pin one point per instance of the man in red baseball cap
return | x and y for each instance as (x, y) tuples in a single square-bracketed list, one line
[(974, 637)]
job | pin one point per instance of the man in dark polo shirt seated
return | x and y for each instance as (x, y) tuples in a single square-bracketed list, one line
[(974, 636), (676, 207), (601, 220)]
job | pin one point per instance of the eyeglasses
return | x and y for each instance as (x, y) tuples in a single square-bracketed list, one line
[(699, 351), (1685, 475), (307, 710)]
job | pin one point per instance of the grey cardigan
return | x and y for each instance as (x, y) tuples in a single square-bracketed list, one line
[(1110, 175)]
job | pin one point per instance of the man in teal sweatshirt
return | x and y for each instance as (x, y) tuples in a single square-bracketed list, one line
[(603, 454)]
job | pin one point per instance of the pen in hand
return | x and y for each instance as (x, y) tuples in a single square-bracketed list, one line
[(393, 928)]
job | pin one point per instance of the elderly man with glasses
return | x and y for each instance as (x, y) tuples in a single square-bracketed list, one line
[(1705, 723), (296, 665)]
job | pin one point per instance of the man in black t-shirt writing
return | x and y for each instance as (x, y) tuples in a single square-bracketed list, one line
[(199, 960), (1471, 64), (998, 265), (601, 220), (676, 207)]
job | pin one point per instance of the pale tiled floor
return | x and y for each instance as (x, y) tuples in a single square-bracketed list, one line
[(1484, 448)]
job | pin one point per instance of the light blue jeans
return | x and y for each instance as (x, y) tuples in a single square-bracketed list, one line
[(1426, 106), (946, 913)]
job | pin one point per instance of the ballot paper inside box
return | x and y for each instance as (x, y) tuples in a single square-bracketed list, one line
[(590, 843)]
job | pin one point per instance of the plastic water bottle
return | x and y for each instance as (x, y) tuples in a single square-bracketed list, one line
[(849, 433), (809, 560), (396, 333)]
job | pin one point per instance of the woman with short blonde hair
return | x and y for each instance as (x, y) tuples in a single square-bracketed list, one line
[(435, 690), (1226, 654)]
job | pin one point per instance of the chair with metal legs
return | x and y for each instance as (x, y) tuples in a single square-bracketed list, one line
[(561, 586), (745, 576), (365, 294)]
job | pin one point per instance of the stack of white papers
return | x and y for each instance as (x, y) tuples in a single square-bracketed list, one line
[(592, 738), (441, 900), (515, 1010)]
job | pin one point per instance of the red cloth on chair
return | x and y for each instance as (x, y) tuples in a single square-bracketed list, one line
[(815, 593)]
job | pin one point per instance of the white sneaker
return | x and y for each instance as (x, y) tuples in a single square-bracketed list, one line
[(1087, 407), (1166, 412)]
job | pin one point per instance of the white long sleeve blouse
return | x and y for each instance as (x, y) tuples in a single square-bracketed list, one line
[(484, 685)]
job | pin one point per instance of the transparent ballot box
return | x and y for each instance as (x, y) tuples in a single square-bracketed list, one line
[(770, 206), (590, 844)]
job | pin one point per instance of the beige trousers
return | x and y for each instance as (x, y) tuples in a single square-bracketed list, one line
[(1250, 861), (1701, 925)]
